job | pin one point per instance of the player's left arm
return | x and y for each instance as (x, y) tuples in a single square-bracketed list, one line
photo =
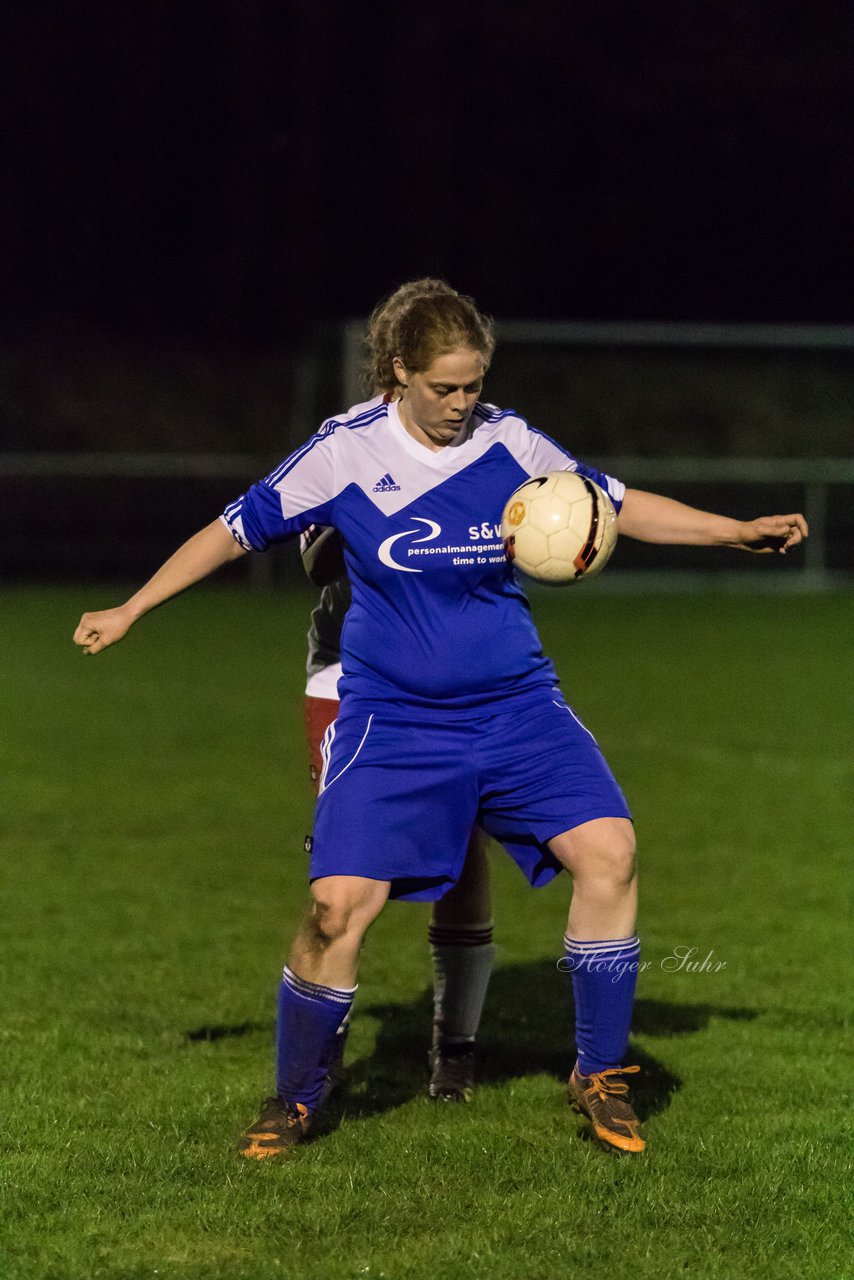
[(649, 517)]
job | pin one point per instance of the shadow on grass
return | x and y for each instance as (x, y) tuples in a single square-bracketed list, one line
[(227, 1031), (526, 1030)]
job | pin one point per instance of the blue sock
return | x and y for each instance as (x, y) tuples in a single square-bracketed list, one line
[(603, 984), (309, 1018)]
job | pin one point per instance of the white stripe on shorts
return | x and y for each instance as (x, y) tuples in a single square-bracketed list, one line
[(325, 748), (564, 706), (323, 783)]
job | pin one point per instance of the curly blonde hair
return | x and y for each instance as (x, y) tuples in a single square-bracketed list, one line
[(421, 320)]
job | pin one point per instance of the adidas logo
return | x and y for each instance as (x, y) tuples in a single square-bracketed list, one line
[(386, 484)]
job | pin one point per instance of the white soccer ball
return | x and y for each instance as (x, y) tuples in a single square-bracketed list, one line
[(559, 527)]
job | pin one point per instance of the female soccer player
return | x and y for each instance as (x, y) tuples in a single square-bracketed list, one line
[(460, 930), (450, 712)]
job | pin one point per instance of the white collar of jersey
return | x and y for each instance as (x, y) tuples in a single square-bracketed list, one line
[(446, 457)]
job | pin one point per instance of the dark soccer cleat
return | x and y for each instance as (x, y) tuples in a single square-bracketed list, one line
[(280, 1126), (604, 1099), (451, 1072)]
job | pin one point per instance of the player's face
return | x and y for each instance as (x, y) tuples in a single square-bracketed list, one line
[(436, 404)]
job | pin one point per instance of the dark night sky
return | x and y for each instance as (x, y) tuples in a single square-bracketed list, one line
[(238, 170)]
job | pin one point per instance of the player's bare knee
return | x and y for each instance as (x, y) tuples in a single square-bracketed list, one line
[(603, 850), (331, 921), (608, 870), (340, 912), (615, 864), (627, 873), (328, 921), (622, 858)]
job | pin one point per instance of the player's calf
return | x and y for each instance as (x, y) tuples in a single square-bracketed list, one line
[(463, 955), (309, 1030)]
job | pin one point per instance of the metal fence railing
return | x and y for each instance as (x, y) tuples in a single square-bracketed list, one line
[(111, 514), (547, 333)]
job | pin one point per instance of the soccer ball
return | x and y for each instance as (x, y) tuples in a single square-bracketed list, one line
[(559, 527)]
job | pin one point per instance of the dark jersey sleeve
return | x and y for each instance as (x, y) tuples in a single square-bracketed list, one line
[(324, 637), (322, 551)]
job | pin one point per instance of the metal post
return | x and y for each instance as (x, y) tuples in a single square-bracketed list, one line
[(815, 510), (353, 340)]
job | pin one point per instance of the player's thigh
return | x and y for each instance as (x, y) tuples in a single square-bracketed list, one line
[(544, 774), (398, 799), (470, 899), (475, 873)]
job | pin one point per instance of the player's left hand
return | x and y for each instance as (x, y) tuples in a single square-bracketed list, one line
[(772, 533)]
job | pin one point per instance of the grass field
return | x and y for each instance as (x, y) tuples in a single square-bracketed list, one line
[(153, 813)]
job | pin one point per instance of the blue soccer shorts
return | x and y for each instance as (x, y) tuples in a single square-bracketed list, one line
[(402, 787)]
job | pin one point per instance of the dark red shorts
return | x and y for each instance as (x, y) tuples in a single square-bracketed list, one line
[(319, 714)]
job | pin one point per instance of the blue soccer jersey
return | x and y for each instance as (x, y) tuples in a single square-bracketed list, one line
[(437, 616)]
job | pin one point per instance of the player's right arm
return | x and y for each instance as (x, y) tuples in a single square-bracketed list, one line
[(299, 492), (201, 555)]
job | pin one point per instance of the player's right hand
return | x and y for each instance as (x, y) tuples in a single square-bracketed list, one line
[(97, 631)]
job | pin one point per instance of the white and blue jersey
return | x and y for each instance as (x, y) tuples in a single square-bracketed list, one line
[(437, 616)]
